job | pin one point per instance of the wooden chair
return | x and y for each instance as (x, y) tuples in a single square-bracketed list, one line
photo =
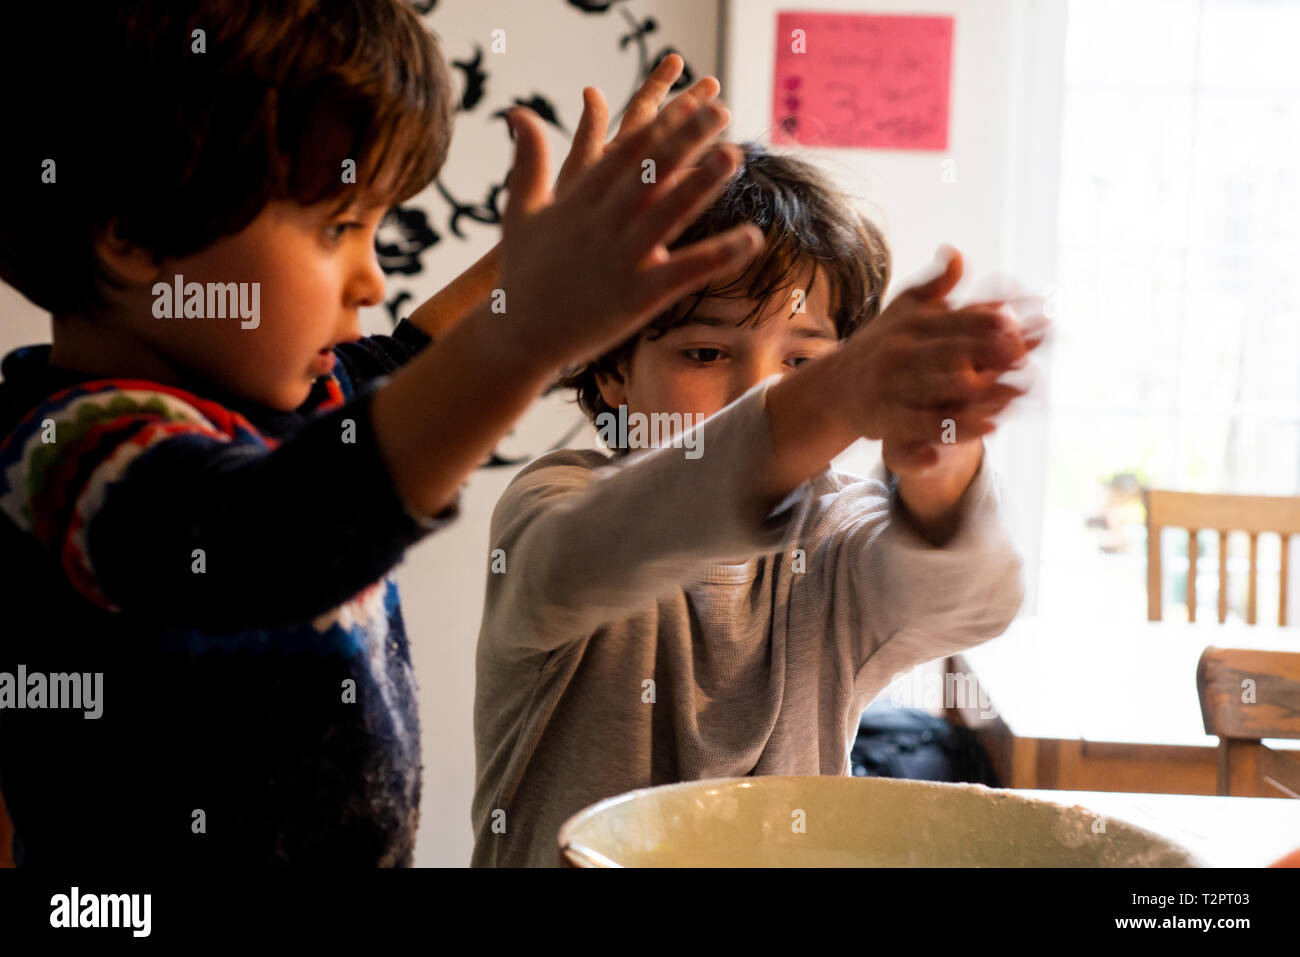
[(1248, 695), (1222, 513)]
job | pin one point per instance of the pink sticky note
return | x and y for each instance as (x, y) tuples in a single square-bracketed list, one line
[(863, 81)]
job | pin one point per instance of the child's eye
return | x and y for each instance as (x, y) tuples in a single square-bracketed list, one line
[(797, 361), (704, 356), (334, 231)]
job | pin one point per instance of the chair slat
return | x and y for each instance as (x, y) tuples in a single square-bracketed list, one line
[(1155, 588), (1252, 585), (1223, 576), (1224, 514), (1281, 600)]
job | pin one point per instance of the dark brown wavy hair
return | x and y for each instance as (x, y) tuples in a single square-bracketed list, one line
[(807, 224), (181, 147)]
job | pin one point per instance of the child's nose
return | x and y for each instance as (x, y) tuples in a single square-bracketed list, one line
[(366, 285), (751, 372)]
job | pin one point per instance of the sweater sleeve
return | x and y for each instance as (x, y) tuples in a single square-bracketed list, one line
[(379, 355), (585, 545), (909, 601), (158, 503)]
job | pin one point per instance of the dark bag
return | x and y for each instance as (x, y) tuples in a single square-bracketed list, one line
[(906, 743)]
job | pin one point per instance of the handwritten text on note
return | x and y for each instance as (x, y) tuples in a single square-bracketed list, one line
[(862, 81)]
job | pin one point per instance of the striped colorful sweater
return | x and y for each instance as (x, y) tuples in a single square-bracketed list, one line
[(227, 568)]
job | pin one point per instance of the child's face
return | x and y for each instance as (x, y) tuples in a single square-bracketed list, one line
[(314, 273), (708, 362)]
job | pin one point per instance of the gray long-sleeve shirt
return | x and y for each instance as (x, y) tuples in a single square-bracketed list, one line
[(620, 649)]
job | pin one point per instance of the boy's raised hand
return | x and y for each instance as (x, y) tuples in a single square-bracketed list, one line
[(928, 371), (589, 144), (451, 304), (582, 272)]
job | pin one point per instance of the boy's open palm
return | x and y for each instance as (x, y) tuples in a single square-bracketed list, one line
[(582, 272), (924, 369), (589, 143)]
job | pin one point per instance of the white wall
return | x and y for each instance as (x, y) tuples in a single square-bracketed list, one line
[(22, 322), (999, 208)]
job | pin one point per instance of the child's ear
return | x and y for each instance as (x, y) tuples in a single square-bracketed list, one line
[(613, 388), (123, 257)]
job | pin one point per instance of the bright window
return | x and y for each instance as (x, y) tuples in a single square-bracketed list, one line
[(1178, 308)]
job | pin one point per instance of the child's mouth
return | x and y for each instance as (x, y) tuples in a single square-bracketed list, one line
[(323, 363)]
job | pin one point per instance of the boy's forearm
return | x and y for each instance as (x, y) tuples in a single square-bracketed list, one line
[(589, 544), (807, 426), (441, 414), (931, 501), (450, 305)]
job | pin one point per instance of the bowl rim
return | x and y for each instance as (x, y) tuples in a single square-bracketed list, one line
[(577, 854)]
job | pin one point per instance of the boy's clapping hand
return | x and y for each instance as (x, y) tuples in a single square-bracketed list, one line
[(933, 391), (589, 145), (583, 271), (459, 297), (579, 273), (925, 368), (922, 378)]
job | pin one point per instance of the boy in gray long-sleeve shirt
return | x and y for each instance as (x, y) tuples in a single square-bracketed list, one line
[(726, 604)]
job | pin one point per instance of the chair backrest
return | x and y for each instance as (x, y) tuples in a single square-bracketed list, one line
[(1247, 695), (1222, 513)]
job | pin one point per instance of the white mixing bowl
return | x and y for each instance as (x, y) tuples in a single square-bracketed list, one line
[(825, 821)]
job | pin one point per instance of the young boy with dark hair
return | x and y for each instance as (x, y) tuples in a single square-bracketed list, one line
[(209, 476), (664, 616)]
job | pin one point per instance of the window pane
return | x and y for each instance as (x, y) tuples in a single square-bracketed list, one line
[(1178, 301)]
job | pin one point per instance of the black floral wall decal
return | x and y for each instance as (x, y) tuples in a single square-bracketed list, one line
[(395, 304), (401, 246), (488, 211), (475, 79), (407, 231), (403, 236), (540, 105), (593, 6)]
